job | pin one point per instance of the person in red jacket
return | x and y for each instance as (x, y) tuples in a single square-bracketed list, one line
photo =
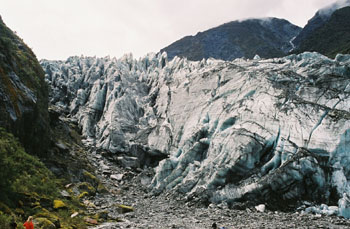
[(29, 224)]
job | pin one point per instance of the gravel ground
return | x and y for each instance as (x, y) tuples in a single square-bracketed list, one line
[(170, 210)]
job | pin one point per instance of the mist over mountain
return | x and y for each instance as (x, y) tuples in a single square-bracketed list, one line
[(326, 33), (267, 37), (318, 20), (330, 38)]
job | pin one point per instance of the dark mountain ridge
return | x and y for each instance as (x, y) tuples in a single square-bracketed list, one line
[(269, 37), (330, 38), (321, 17)]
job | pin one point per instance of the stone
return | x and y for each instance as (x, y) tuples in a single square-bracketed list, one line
[(65, 194), (145, 180), (124, 208), (61, 146), (49, 216), (89, 204), (117, 177), (68, 185), (59, 204), (86, 187), (74, 214), (131, 162), (103, 215), (104, 167), (91, 221), (40, 222), (257, 57), (260, 208)]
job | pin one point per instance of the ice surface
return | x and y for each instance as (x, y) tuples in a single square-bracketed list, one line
[(257, 130), (344, 206)]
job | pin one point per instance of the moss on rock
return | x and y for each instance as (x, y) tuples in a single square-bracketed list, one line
[(5, 209), (82, 195), (59, 204), (124, 208), (88, 177), (23, 111), (50, 216), (43, 223), (87, 187), (101, 216), (101, 188)]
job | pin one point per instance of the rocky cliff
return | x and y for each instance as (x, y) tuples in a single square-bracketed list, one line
[(267, 37), (273, 130), (23, 93)]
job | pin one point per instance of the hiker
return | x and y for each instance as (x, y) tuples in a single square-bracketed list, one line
[(29, 224)]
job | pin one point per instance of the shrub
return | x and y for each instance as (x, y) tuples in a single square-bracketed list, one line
[(21, 172), (4, 220)]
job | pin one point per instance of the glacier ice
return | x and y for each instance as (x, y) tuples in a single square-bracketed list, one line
[(262, 130), (344, 206)]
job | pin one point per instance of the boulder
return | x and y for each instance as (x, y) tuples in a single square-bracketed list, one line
[(117, 177), (74, 214), (124, 208), (49, 216), (90, 221), (260, 207), (59, 204), (44, 223)]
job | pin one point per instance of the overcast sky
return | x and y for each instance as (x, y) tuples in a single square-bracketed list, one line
[(57, 29)]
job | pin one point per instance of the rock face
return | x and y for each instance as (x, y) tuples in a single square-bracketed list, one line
[(267, 37), (23, 93), (265, 130), (318, 21)]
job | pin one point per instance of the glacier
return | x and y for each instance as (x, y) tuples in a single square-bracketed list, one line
[(272, 131)]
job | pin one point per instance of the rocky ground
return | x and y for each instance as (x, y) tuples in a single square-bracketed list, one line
[(171, 210), (127, 185)]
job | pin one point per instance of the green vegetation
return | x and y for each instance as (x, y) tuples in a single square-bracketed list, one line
[(27, 187), (21, 172), (4, 220), (331, 38), (57, 204), (19, 66)]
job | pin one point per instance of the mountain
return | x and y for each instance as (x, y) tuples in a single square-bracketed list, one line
[(268, 37), (332, 37), (23, 93), (319, 20), (271, 131)]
